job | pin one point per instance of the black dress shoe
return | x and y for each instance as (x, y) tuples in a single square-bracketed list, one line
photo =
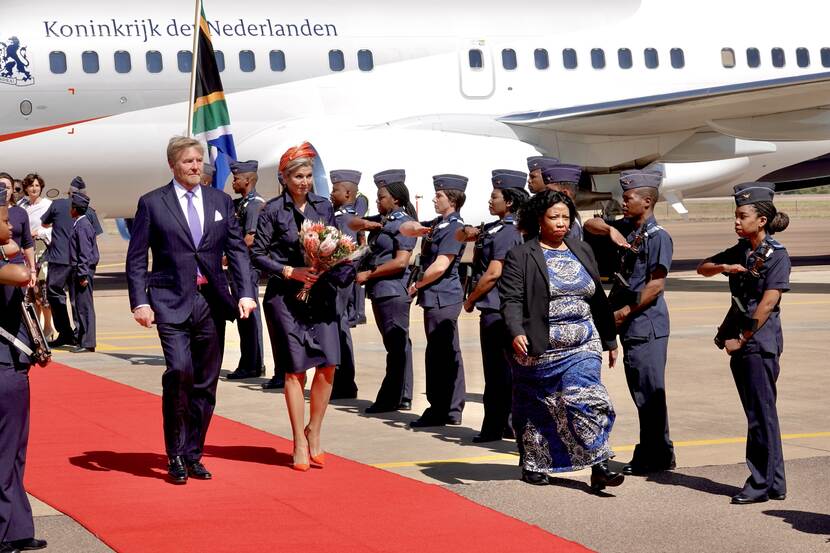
[(639, 469), (742, 499), (30, 544), (375, 408), (777, 496), (81, 349), (197, 470), (274, 383), (483, 438), (337, 394), (602, 477), (176, 470), (62, 341), (241, 375), (424, 422), (8, 548), (405, 405), (535, 478)]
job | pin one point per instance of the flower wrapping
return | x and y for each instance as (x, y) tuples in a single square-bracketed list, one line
[(325, 247)]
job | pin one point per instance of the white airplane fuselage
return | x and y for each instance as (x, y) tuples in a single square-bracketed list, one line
[(417, 103)]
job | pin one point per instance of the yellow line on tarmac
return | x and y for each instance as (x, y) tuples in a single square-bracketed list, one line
[(111, 265), (512, 456)]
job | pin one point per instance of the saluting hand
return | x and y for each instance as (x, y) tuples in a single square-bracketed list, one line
[(520, 345), (246, 307), (734, 269), (468, 307), (731, 346), (144, 316), (618, 239)]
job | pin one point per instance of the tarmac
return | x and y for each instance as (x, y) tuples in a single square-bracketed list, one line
[(684, 510)]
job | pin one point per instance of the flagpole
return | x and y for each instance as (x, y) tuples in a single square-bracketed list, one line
[(194, 67)]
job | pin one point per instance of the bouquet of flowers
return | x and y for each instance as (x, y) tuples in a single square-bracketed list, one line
[(325, 247)]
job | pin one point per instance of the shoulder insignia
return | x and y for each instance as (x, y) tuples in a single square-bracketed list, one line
[(445, 224), (495, 229)]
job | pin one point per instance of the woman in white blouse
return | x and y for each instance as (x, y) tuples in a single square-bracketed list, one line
[(36, 206)]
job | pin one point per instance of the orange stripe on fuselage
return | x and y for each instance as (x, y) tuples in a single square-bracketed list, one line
[(21, 134)]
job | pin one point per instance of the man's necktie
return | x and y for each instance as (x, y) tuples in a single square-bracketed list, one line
[(195, 230)]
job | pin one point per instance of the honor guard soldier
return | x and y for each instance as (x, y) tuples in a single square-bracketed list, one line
[(17, 527), (535, 165), (247, 208), (21, 232), (357, 306), (564, 177), (208, 171), (343, 193), (441, 295), (492, 243), (385, 273), (58, 217), (641, 314), (83, 257), (758, 268)]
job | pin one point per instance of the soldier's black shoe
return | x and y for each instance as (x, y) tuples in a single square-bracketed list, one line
[(338, 394), (274, 383), (197, 470), (405, 405), (242, 375), (375, 408), (81, 349), (639, 469), (486, 437), (777, 496), (602, 477), (62, 341), (535, 478), (176, 470), (742, 499), (31, 544), (8, 548)]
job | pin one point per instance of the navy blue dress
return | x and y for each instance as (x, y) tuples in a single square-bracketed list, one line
[(442, 300), (497, 238), (390, 305), (755, 367), (304, 335)]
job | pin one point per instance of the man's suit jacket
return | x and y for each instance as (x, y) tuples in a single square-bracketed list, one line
[(525, 295), (161, 226)]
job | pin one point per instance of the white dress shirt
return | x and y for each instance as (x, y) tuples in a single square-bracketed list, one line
[(181, 194)]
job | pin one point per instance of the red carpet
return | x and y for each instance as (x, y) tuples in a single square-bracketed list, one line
[(96, 454)]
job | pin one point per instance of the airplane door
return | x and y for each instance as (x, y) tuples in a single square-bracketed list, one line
[(476, 69)]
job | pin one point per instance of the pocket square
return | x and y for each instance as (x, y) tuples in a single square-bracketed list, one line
[(217, 216)]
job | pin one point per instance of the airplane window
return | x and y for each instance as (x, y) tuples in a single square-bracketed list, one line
[(26, 108), (569, 58), (753, 57), (365, 60), (651, 57), (185, 59), (678, 58), (778, 57), (624, 58), (598, 58), (89, 61), (476, 59), (220, 60), (57, 62), (802, 56), (123, 63), (727, 57), (508, 59), (540, 57), (336, 60), (247, 61), (154, 63), (825, 57), (277, 58)]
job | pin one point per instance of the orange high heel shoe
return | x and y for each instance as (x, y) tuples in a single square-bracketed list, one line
[(302, 467), (320, 459)]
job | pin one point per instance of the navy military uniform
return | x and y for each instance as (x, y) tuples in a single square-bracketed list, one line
[(493, 243), (83, 259), (755, 367), (247, 209), (442, 300), (565, 173), (645, 336), (357, 305), (59, 273), (16, 523), (21, 233), (391, 304), (344, 386)]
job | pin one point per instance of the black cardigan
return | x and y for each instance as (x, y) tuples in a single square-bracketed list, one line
[(525, 295)]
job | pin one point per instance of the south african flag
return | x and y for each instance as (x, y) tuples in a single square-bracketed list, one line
[(211, 121)]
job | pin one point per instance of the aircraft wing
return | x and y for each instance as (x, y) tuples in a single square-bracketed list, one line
[(788, 108)]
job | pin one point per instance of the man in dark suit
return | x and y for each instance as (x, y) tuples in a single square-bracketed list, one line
[(188, 228)]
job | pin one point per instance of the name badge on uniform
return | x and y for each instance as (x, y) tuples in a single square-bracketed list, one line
[(217, 216)]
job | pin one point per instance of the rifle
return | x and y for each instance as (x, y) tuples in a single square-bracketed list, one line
[(737, 319), (621, 293), (415, 271), (39, 352), (469, 281)]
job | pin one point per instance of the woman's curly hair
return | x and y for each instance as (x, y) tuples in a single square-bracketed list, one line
[(531, 213)]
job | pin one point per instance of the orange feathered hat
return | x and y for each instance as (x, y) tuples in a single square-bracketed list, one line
[(296, 152)]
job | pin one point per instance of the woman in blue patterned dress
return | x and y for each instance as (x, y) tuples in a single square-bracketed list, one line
[(562, 414)]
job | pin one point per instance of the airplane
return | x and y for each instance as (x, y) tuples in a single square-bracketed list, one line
[(715, 93)]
